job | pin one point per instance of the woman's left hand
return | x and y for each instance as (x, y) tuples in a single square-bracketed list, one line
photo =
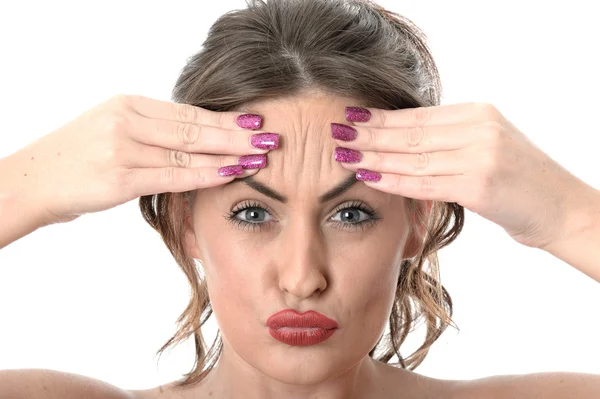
[(468, 154)]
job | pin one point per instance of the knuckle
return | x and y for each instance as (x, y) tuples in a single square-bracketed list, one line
[(373, 135), (378, 161), (180, 159), (201, 178), (421, 161), (420, 115), (116, 154), (223, 161), (414, 135), (125, 179), (233, 141), (493, 131), (490, 160), (110, 145), (428, 184), (169, 175), (121, 99), (185, 112), (480, 192), (115, 122), (116, 185), (487, 111), (109, 155), (383, 118), (221, 118), (188, 133)]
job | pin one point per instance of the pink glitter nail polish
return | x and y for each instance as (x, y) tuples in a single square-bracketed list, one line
[(368, 175), (231, 170), (347, 155), (257, 161), (343, 132), (265, 141), (249, 121), (357, 114)]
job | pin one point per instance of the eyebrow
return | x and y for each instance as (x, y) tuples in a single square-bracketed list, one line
[(269, 192)]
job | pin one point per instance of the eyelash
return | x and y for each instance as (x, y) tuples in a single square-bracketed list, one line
[(373, 217)]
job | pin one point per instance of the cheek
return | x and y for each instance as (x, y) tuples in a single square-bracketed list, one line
[(371, 286), (366, 274), (229, 272), (227, 265)]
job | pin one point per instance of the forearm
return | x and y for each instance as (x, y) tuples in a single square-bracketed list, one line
[(19, 215), (580, 247)]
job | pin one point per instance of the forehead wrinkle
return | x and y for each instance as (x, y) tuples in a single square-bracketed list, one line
[(305, 156)]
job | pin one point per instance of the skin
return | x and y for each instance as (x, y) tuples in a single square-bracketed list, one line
[(300, 258)]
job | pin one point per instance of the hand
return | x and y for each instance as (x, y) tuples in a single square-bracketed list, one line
[(468, 154), (131, 146)]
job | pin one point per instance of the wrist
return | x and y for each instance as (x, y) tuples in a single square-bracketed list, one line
[(17, 194), (582, 219)]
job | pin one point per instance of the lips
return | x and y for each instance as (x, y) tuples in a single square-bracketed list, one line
[(301, 329)]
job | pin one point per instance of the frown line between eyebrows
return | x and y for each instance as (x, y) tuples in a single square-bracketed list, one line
[(269, 192)]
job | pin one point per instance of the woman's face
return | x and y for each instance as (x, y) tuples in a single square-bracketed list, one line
[(299, 253)]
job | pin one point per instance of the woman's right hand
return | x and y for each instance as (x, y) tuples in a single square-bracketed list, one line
[(131, 146)]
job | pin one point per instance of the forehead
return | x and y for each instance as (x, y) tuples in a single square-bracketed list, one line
[(304, 160)]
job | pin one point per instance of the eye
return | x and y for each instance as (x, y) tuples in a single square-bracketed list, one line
[(354, 215), (351, 215), (249, 215), (252, 215)]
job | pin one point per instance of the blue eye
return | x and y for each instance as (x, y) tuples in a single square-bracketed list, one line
[(253, 215), (351, 216)]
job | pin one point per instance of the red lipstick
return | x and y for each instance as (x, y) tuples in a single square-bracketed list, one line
[(301, 329)]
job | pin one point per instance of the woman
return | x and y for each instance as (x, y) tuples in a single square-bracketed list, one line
[(316, 174)]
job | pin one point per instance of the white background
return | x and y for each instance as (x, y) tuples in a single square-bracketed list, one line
[(98, 296)]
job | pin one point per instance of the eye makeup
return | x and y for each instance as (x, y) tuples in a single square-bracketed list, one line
[(260, 215)]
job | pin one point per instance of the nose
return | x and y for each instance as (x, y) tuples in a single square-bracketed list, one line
[(302, 265)]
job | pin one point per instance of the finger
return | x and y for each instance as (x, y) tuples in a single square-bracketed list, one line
[(186, 113), (436, 188), (148, 181), (440, 163), (200, 138), (139, 155), (408, 139), (422, 116)]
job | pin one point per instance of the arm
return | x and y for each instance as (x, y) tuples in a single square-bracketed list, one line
[(19, 214), (579, 243)]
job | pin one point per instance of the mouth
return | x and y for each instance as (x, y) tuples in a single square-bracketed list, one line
[(301, 329)]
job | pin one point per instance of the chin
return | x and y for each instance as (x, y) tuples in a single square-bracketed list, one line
[(304, 370), (305, 365)]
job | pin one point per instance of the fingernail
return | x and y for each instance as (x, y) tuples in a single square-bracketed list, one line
[(249, 121), (343, 132), (265, 141), (257, 161), (347, 155), (368, 175), (231, 170), (357, 114)]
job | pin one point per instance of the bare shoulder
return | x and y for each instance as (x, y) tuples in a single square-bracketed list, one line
[(52, 384), (403, 383), (167, 391), (547, 385)]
